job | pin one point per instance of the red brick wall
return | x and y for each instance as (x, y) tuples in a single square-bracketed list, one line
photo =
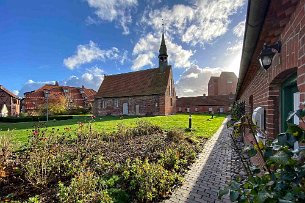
[(170, 99), (213, 86), (263, 85), (12, 104), (227, 84), (147, 105), (202, 109)]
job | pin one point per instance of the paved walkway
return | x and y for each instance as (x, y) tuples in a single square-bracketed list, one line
[(215, 166)]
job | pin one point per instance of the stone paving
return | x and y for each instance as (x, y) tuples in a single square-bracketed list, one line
[(215, 166)]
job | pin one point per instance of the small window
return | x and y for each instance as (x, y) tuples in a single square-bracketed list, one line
[(116, 103), (170, 88), (66, 91), (180, 109), (196, 109), (156, 104), (229, 81), (171, 101), (210, 109), (103, 104), (188, 110)]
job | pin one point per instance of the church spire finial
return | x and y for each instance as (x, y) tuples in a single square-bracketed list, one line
[(162, 52)]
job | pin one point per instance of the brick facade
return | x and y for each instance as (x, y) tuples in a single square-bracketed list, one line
[(77, 97), (205, 104), (225, 84), (154, 104), (213, 86), (263, 88), (10, 100)]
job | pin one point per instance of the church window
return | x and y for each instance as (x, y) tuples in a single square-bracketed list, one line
[(103, 104), (116, 103)]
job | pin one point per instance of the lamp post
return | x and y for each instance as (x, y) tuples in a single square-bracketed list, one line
[(190, 121), (46, 94)]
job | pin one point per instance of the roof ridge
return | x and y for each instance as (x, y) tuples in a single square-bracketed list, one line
[(132, 72)]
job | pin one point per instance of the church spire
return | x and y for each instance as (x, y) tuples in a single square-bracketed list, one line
[(162, 52)]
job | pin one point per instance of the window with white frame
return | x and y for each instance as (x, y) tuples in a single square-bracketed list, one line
[(116, 103)]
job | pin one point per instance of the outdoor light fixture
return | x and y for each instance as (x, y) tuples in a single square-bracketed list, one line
[(267, 54)]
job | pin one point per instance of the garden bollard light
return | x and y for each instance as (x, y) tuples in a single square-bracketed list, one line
[(190, 121)]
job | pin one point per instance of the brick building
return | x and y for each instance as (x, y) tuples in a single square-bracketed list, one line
[(225, 84), (77, 97), (213, 86), (205, 104), (145, 92), (9, 103), (281, 88)]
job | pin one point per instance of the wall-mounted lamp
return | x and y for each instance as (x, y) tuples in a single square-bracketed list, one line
[(267, 54)]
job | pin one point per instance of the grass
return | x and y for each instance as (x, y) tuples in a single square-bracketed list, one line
[(202, 124)]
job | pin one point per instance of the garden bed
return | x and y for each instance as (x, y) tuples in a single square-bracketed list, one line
[(133, 164)]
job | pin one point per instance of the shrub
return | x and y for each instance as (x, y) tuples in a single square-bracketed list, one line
[(6, 148), (177, 157), (283, 178), (84, 187), (149, 181)]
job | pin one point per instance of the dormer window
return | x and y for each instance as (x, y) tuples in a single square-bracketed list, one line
[(66, 91), (82, 91)]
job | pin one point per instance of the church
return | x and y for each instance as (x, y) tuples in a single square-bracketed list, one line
[(144, 92)]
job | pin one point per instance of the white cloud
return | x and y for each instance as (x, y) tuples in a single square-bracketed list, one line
[(194, 80), (16, 92), (239, 29), (31, 85), (197, 24), (114, 10), (146, 50), (237, 47), (192, 75), (91, 52), (92, 78)]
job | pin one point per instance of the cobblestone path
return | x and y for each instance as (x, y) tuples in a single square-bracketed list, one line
[(215, 166)]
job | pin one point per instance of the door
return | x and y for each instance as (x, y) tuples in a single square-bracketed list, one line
[(296, 104), (137, 109), (125, 108), (221, 109), (289, 100)]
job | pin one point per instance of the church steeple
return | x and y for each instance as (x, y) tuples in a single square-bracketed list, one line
[(163, 53)]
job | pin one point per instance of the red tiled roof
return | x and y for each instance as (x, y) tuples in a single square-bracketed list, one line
[(8, 92), (76, 95), (219, 100), (139, 83)]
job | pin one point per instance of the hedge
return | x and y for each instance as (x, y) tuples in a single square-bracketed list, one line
[(32, 118)]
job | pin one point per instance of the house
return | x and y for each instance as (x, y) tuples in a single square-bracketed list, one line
[(9, 103), (205, 104), (76, 97), (225, 84), (277, 85), (145, 92)]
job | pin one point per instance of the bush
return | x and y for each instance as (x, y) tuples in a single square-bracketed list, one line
[(84, 187), (148, 181), (6, 148), (33, 118)]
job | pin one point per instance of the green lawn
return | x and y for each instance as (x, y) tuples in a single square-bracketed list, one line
[(202, 125)]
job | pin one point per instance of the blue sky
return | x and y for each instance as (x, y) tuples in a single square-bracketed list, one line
[(76, 42)]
